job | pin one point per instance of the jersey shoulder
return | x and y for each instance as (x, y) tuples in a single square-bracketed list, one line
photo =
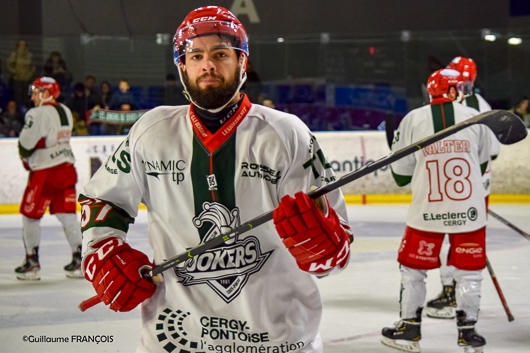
[(284, 123), (463, 112), (153, 118)]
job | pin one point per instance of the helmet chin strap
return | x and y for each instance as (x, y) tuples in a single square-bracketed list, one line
[(44, 100), (242, 79)]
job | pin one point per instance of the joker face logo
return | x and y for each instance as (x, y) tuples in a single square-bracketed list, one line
[(225, 269)]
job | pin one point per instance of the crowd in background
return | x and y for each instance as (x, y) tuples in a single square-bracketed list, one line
[(86, 96)]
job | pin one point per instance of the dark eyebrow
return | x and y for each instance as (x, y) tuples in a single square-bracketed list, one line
[(216, 47)]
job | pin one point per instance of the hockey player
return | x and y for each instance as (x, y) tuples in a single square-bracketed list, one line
[(468, 69), (447, 199), (442, 307), (202, 169), (44, 146)]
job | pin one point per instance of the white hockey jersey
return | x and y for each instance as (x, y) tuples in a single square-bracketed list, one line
[(44, 141), (248, 295), (447, 193), (477, 102)]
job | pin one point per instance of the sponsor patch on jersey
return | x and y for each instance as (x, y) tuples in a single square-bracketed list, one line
[(171, 169), (180, 331), (120, 160), (261, 171), (452, 218), (225, 269), (317, 162)]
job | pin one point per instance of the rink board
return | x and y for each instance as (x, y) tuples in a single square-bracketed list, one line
[(345, 151)]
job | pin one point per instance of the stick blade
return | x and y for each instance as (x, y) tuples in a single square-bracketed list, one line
[(507, 127)]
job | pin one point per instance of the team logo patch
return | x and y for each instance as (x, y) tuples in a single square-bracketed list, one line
[(425, 248), (225, 269)]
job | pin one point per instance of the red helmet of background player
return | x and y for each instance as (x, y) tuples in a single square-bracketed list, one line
[(209, 20), (46, 83), (466, 66), (440, 81)]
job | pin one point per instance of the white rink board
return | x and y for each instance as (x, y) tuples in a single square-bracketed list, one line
[(345, 151)]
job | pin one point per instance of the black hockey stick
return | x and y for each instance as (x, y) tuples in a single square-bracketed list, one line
[(507, 127), (390, 126), (509, 224), (499, 291)]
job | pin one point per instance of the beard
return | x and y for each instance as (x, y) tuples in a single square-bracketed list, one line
[(211, 97)]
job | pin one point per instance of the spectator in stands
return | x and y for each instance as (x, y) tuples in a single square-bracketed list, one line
[(80, 103), (21, 69), (51, 65), (171, 93), (79, 126), (253, 85), (11, 120), (64, 78), (124, 129), (91, 91), (105, 96), (123, 96), (521, 110), (268, 103)]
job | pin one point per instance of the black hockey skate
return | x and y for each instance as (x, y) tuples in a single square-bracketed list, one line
[(467, 336), (73, 269), (29, 270), (443, 306), (405, 335)]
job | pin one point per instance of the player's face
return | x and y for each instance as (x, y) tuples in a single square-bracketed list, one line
[(452, 94), (36, 97), (211, 71)]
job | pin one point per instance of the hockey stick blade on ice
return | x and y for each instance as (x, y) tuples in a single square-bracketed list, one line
[(509, 224), (507, 127)]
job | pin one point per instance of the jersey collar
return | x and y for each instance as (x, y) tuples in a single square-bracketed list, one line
[(213, 141), (440, 100)]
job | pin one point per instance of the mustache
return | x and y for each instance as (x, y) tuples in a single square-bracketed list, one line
[(208, 74)]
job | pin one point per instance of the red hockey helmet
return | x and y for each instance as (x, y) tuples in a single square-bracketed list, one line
[(466, 66), (440, 81), (46, 83), (209, 20)]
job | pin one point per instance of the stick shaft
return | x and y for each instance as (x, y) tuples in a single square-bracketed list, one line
[(506, 126), (499, 291), (88, 303), (509, 224)]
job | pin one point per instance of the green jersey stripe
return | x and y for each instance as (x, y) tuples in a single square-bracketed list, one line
[(213, 176), (472, 101), (443, 116), (62, 115)]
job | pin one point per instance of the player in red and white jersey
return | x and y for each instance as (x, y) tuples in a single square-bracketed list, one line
[(201, 170), (44, 147), (447, 198), (442, 306)]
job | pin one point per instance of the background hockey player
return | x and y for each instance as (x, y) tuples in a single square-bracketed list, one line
[(44, 146), (201, 170), (447, 199), (443, 305)]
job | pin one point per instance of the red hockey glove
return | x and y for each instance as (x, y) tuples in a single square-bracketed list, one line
[(114, 268), (318, 242)]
